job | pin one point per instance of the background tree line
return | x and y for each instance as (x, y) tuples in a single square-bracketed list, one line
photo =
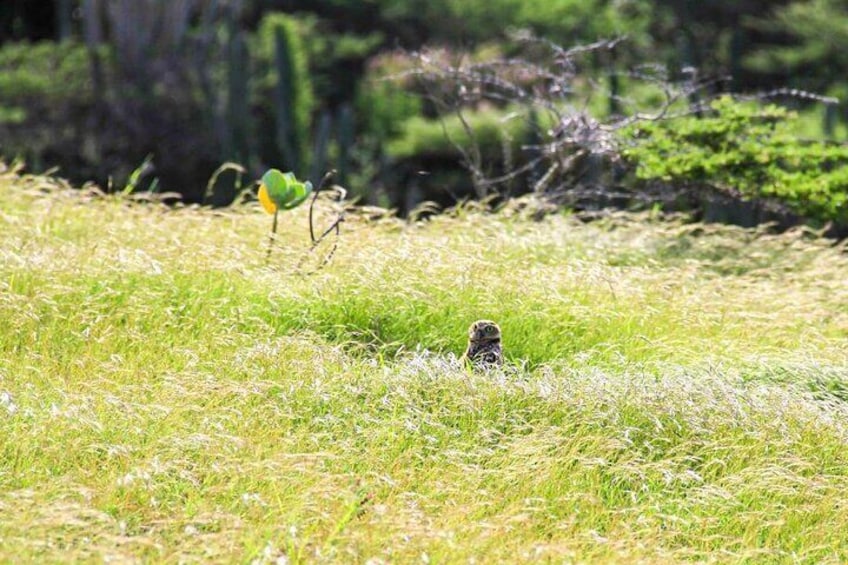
[(98, 87)]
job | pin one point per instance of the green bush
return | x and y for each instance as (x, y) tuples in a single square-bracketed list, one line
[(749, 149), (491, 128), (383, 105), (51, 116), (44, 98), (471, 21), (43, 71)]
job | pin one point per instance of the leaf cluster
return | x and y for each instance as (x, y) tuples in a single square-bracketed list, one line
[(746, 148), (36, 77), (282, 191), (491, 129)]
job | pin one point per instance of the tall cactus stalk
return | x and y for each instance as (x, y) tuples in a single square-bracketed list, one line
[(345, 138), (283, 84), (288, 135), (238, 102), (64, 15), (322, 144)]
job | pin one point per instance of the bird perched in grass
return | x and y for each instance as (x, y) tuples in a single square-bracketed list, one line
[(484, 345)]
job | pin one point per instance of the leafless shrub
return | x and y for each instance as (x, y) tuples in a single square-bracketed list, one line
[(567, 151)]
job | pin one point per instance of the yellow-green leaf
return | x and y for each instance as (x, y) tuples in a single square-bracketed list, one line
[(265, 199), (279, 186)]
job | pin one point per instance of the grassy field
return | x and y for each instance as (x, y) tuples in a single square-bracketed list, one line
[(676, 392)]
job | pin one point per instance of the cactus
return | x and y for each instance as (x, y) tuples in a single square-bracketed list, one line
[(322, 143), (292, 92), (234, 126), (238, 103), (64, 17), (345, 138), (287, 133)]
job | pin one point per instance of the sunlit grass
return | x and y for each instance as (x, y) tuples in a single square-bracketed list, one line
[(675, 391)]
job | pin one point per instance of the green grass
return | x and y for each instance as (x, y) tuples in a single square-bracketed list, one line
[(676, 392)]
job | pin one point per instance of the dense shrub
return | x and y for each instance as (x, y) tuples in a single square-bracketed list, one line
[(443, 137), (384, 104), (45, 101), (51, 116), (747, 149)]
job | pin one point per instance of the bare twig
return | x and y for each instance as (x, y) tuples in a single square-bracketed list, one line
[(321, 186), (547, 82), (573, 150), (334, 227)]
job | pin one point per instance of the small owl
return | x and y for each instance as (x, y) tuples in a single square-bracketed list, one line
[(484, 345)]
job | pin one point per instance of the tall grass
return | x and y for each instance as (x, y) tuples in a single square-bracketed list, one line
[(675, 392)]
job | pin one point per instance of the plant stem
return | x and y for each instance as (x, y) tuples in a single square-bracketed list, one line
[(273, 234), (321, 186)]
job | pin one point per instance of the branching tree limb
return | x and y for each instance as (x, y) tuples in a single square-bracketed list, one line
[(554, 85)]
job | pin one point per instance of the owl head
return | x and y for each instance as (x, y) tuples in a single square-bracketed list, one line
[(483, 331)]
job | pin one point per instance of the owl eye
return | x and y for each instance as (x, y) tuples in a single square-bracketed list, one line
[(491, 330)]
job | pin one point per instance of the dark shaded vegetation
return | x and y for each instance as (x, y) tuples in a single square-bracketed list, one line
[(96, 88)]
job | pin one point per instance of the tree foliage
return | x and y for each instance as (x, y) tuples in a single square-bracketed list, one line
[(818, 51), (197, 82), (749, 149)]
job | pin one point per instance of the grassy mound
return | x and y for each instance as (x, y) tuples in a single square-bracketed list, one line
[(676, 392)]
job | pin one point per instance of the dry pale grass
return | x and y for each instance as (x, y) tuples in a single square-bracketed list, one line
[(675, 391)]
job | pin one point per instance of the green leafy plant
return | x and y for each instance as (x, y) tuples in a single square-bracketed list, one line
[(280, 190), (283, 191), (747, 149)]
